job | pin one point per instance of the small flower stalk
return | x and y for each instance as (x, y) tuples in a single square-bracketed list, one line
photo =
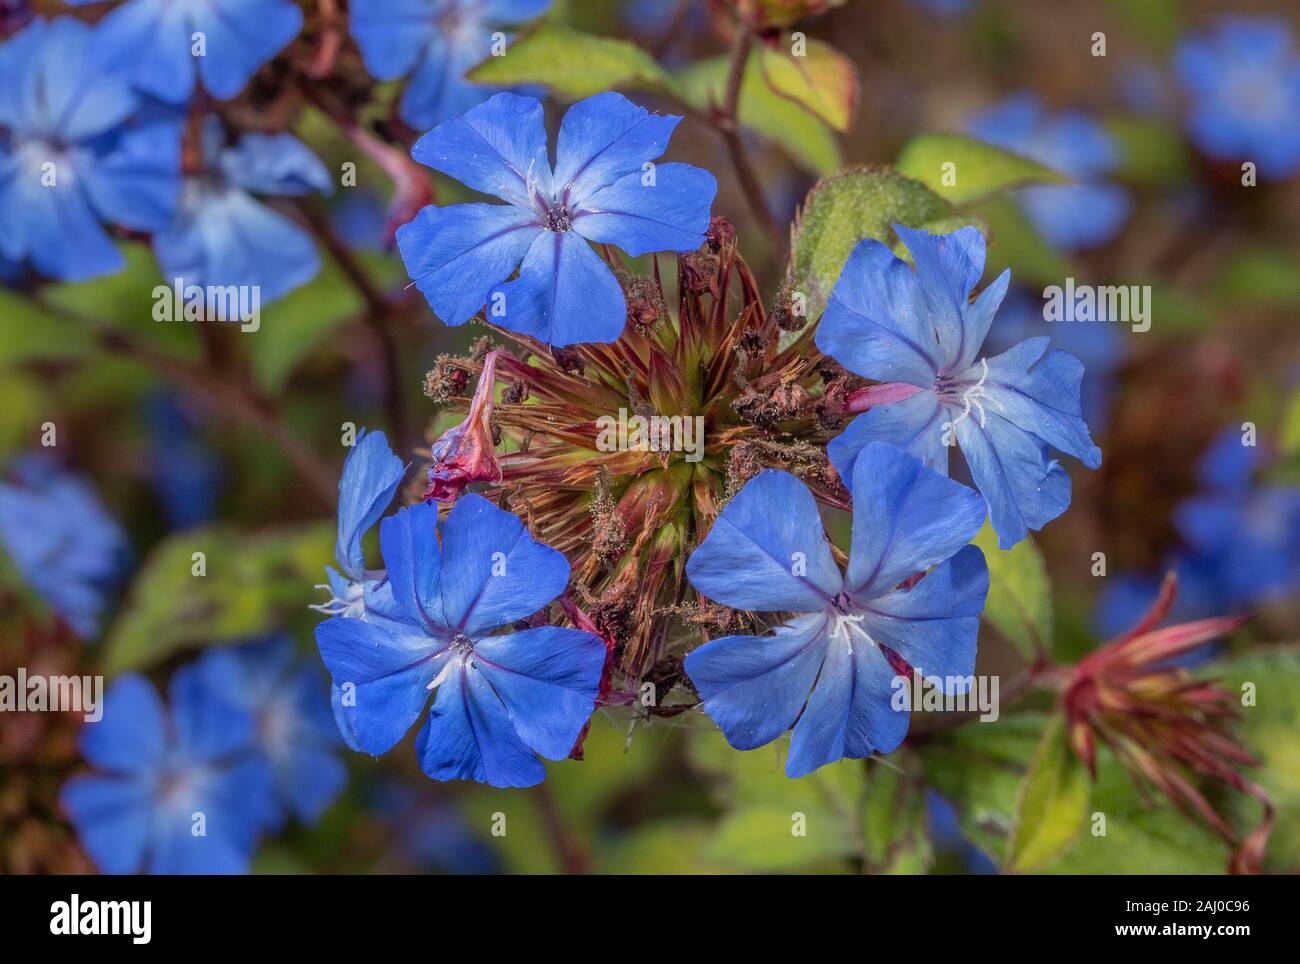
[(467, 452), (1168, 727)]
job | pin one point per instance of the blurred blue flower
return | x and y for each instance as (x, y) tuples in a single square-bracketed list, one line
[(1243, 81), (161, 44), (62, 540), (501, 700), (433, 834), (920, 331), (857, 632), (604, 188), (222, 235), (177, 793), (1069, 216), (184, 471), (293, 727), (1240, 545), (944, 8), (75, 156), (437, 42), (1101, 346)]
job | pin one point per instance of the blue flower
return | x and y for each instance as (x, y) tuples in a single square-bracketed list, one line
[(833, 667), (75, 156), (223, 236), (603, 188), (440, 40), (371, 475), (1007, 413), (1069, 216), (1240, 545), (180, 793), (62, 541), (501, 700), (161, 44), (293, 728), (184, 472), (1243, 81)]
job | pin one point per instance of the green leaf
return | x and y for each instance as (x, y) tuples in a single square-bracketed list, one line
[(784, 122), (1053, 803), (979, 766), (845, 208), (1141, 834), (821, 80), (1019, 603), (763, 837), (1289, 436), (1016, 245), (894, 828), (571, 64), (1153, 152), (1260, 275), (978, 170), (252, 584), (1267, 728), (763, 807)]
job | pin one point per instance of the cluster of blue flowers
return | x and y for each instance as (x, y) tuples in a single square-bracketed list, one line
[(246, 742), (1240, 545)]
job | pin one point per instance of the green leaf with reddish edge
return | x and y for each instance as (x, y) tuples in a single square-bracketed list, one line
[(820, 79)]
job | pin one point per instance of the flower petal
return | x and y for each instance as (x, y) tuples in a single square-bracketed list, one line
[(915, 425), (603, 139), (877, 323), (241, 36), (386, 674), (850, 713), (457, 254), (131, 735), (753, 687), (113, 817), (934, 624), (498, 148), (1024, 486), (493, 571), (469, 736), (767, 550), (548, 679), (393, 35), (1037, 390), (669, 214), (409, 541), (371, 475), (906, 518), (207, 725), (948, 267), (564, 294)]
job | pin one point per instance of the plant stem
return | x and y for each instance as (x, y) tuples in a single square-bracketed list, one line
[(229, 396), (729, 123)]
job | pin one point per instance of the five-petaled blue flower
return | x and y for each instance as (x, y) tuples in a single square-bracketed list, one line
[(501, 700), (834, 668), (74, 155), (180, 793), (61, 540), (603, 188), (1069, 216), (223, 236), (1244, 83), (161, 44), (293, 728), (439, 40), (887, 322)]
